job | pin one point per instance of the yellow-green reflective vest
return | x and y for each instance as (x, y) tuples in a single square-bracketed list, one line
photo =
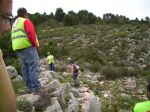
[(50, 59), (19, 36), (142, 107)]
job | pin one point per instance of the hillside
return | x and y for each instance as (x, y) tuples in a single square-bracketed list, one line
[(116, 55), (98, 47), (113, 59)]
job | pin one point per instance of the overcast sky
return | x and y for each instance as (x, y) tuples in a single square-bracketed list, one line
[(128, 8)]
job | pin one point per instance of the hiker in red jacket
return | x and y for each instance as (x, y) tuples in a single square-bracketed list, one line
[(7, 95), (25, 44)]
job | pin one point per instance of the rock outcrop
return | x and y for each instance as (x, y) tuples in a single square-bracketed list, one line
[(58, 97)]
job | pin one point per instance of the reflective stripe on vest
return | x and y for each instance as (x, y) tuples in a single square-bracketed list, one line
[(19, 36)]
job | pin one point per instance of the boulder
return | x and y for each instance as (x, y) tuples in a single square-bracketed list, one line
[(12, 71), (55, 107)]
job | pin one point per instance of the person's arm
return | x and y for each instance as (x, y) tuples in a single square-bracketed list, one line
[(71, 69), (29, 29), (7, 95)]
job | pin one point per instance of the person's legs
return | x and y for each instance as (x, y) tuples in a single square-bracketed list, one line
[(30, 58), (53, 66), (76, 81), (50, 65), (25, 70)]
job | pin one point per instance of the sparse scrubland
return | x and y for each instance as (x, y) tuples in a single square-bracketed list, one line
[(116, 54)]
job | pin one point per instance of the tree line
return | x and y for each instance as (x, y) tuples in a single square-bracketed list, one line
[(84, 17)]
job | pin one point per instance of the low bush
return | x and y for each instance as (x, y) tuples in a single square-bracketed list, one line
[(24, 105), (128, 102), (113, 72), (17, 85)]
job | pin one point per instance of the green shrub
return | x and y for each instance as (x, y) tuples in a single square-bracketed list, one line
[(10, 57), (95, 67), (109, 106), (48, 46), (18, 85), (67, 96), (24, 105), (65, 79), (127, 102), (124, 103), (6, 46), (61, 67), (70, 20), (113, 72), (121, 34)]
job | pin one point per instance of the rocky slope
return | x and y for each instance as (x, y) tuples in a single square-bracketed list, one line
[(114, 64), (95, 94), (58, 97)]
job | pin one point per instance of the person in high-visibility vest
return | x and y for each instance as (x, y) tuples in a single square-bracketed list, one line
[(50, 60), (7, 94), (25, 43), (143, 106)]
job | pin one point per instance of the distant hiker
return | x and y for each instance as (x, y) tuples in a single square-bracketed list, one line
[(143, 106), (25, 43), (74, 71), (7, 94), (50, 60)]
